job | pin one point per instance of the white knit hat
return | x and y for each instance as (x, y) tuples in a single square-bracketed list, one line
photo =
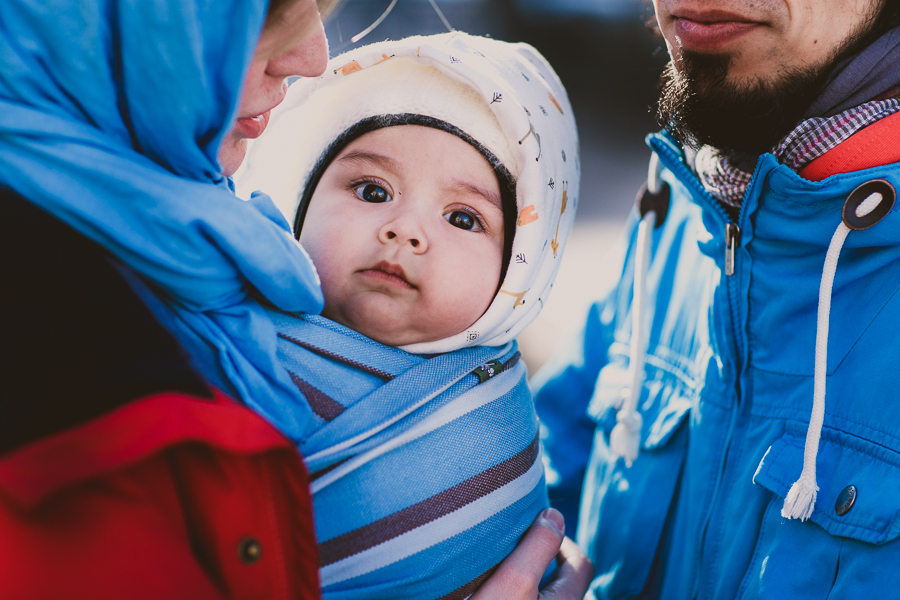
[(503, 96)]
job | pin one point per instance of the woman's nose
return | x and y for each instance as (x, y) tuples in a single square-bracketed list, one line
[(308, 58)]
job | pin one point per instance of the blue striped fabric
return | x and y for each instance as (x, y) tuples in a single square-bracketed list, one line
[(426, 469)]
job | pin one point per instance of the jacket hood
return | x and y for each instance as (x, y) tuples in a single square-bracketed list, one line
[(536, 141)]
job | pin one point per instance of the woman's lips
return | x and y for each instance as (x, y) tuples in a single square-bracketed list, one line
[(253, 127), (712, 35)]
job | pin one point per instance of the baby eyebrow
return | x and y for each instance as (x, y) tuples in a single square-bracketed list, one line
[(362, 156), (488, 194), (396, 166)]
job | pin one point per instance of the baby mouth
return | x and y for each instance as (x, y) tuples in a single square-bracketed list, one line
[(390, 273)]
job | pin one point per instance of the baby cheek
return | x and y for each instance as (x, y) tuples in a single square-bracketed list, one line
[(474, 284), (323, 255), (310, 243)]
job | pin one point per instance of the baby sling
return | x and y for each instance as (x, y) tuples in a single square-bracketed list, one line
[(425, 469)]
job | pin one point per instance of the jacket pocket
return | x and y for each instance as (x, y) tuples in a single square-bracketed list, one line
[(832, 555), (624, 509)]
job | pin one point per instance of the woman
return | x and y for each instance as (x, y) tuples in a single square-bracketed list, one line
[(122, 472)]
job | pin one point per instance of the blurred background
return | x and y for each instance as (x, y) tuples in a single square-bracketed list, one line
[(609, 64)]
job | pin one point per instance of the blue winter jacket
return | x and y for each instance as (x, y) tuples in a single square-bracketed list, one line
[(727, 395)]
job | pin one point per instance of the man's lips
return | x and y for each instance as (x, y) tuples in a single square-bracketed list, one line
[(390, 273), (710, 31), (710, 15)]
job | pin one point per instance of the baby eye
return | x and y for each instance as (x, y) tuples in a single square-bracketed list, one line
[(463, 220), (372, 192)]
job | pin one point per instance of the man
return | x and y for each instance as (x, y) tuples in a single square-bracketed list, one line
[(730, 472)]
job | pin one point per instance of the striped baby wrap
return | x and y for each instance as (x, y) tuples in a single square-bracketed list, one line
[(426, 469)]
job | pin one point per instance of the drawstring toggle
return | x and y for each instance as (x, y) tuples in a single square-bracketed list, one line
[(625, 439)]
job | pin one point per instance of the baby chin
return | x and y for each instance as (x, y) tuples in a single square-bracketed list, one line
[(390, 321)]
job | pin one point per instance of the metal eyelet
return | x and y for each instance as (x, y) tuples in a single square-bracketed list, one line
[(856, 197), (658, 202)]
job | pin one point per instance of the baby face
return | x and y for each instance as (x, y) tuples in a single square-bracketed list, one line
[(406, 231)]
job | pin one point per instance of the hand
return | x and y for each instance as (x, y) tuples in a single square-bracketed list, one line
[(518, 576)]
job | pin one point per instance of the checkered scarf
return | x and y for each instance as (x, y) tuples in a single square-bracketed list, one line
[(808, 141)]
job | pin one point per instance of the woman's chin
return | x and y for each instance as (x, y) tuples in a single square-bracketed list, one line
[(231, 154)]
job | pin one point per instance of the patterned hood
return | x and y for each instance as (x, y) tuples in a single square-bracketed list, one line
[(528, 126)]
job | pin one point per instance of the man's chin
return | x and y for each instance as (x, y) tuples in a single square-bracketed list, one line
[(704, 104)]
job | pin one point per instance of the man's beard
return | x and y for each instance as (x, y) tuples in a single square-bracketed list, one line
[(700, 106)]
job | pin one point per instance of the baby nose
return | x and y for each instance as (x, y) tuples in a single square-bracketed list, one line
[(412, 241), (404, 231)]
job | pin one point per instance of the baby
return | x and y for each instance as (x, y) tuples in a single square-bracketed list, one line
[(433, 182)]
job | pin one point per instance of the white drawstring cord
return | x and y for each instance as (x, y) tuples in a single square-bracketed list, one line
[(654, 170), (625, 438), (801, 499)]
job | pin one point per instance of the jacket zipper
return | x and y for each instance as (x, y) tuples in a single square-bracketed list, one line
[(662, 146), (732, 242)]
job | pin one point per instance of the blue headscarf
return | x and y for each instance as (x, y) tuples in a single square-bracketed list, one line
[(111, 115)]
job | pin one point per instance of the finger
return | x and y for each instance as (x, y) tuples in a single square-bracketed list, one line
[(519, 574), (573, 576)]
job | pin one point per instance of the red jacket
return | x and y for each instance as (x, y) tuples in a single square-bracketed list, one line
[(122, 475), (168, 497)]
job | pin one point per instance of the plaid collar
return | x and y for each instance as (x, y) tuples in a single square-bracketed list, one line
[(808, 141)]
